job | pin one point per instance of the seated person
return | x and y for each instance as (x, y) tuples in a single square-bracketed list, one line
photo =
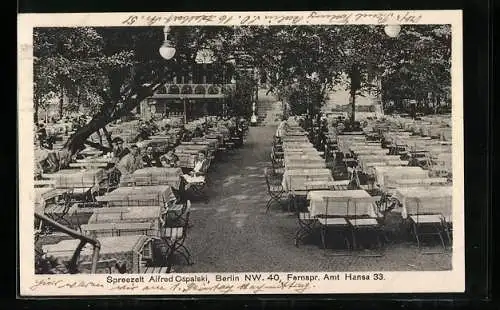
[(170, 159), (150, 159), (166, 129), (197, 175), (118, 150), (130, 162), (198, 132)]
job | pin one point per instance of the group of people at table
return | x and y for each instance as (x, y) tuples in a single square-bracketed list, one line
[(122, 161), (126, 161)]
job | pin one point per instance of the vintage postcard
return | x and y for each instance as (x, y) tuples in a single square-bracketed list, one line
[(241, 153)]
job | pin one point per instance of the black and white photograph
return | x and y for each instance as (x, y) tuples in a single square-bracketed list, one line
[(206, 155)]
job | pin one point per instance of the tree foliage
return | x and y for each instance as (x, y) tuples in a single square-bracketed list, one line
[(112, 69)]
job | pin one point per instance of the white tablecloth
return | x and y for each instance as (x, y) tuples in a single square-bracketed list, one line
[(296, 179), (425, 200), (342, 207), (385, 174)]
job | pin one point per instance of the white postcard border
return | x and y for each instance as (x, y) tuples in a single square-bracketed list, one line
[(394, 282)]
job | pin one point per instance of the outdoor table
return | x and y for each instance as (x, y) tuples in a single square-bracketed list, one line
[(73, 178), (314, 159), (305, 164), (372, 152), (43, 183), (305, 149), (88, 165), (131, 250), (425, 200), (160, 137), (420, 182), (296, 145), (100, 230), (295, 139), (295, 134), (191, 148), (154, 176), (343, 206), (352, 133), (366, 144), (386, 174), (371, 162), (137, 196), (295, 179), (125, 214), (299, 156), (309, 150), (378, 157), (40, 199)]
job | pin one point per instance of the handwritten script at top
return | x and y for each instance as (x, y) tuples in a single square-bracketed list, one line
[(195, 288), (266, 19)]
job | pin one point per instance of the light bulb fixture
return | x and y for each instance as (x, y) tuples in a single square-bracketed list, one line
[(392, 30), (167, 49)]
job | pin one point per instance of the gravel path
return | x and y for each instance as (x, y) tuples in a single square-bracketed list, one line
[(232, 232)]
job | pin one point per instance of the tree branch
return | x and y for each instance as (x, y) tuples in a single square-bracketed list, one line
[(98, 146)]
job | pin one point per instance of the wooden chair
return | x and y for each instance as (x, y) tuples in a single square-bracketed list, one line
[(334, 221), (200, 189), (426, 221), (305, 221), (274, 188), (361, 224), (174, 233), (277, 165)]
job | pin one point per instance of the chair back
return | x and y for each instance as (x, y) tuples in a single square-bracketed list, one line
[(272, 184), (361, 206), (175, 228), (429, 205), (337, 206)]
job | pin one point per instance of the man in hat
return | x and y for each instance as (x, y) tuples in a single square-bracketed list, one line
[(118, 150), (151, 159), (130, 162)]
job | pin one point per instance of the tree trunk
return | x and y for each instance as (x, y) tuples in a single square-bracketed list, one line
[(108, 135), (35, 116), (61, 103), (353, 106), (101, 119), (77, 140), (355, 85)]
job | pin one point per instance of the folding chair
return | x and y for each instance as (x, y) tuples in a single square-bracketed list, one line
[(334, 221), (174, 233), (367, 226), (200, 189), (277, 164), (112, 180), (427, 221), (305, 221), (274, 188)]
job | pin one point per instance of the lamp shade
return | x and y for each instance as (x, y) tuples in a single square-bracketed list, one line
[(167, 51), (392, 30)]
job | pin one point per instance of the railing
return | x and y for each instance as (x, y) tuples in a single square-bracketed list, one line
[(72, 267), (195, 89)]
